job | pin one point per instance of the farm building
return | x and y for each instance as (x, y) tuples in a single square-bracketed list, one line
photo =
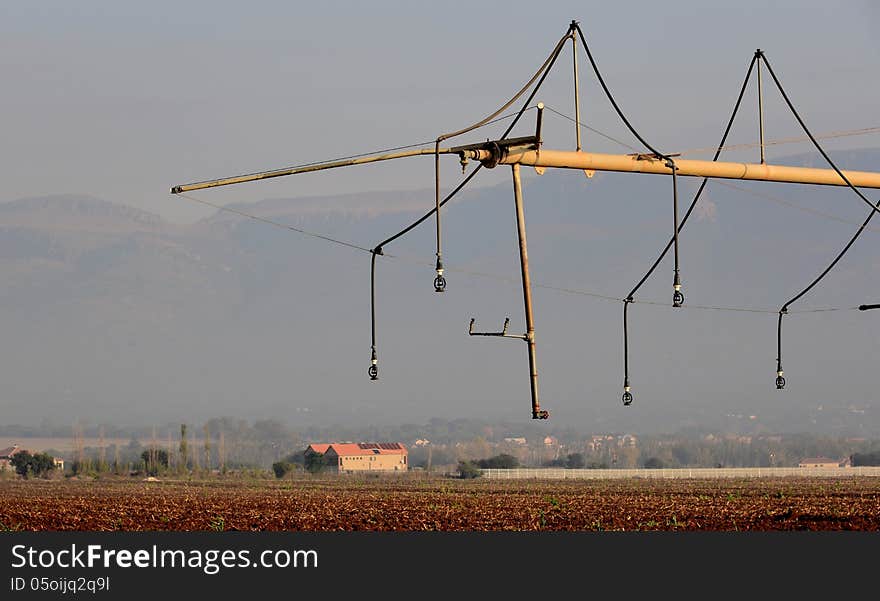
[(822, 462), (6, 456), (317, 448), (362, 456)]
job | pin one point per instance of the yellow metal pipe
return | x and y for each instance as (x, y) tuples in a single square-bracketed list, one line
[(524, 154), (306, 169), (647, 164)]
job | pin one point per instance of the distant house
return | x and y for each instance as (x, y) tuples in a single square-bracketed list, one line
[(317, 448), (518, 440), (363, 456), (822, 462), (6, 456), (628, 440)]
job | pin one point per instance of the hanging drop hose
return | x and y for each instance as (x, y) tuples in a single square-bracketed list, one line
[(374, 359), (440, 280), (378, 250), (627, 395), (677, 296), (875, 208), (627, 398), (780, 380), (780, 374)]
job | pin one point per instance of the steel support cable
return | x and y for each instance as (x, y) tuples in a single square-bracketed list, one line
[(511, 280), (791, 205), (627, 395), (744, 146), (781, 141), (482, 274), (875, 208), (589, 128), (439, 280), (275, 223)]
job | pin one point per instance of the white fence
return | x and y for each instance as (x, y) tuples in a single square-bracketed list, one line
[(707, 472)]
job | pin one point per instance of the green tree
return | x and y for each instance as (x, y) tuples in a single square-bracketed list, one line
[(27, 465), (468, 469), (184, 448), (154, 459), (314, 462), (866, 458), (502, 461)]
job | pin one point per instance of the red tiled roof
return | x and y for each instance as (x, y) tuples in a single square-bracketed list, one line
[(8, 452), (319, 447), (348, 449)]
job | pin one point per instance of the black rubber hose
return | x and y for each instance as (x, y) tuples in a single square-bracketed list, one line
[(629, 297), (803, 125), (546, 67), (839, 256), (704, 182), (875, 208)]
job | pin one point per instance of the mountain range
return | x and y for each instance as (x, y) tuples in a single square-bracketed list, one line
[(116, 314)]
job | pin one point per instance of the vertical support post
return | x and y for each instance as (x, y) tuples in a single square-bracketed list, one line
[(538, 125), (760, 107), (537, 412), (577, 101)]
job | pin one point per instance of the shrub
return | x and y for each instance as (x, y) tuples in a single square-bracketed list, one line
[(468, 470), (281, 468), (502, 461), (654, 463)]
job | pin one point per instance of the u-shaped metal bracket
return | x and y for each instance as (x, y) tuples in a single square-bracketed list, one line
[(502, 334)]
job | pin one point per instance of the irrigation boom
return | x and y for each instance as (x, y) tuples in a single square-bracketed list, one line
[(528, 151), (525, 151)]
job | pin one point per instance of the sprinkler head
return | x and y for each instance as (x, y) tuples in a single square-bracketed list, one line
[(677, 296), (439, 281), (627, 396), (374, 367), (780, 380)]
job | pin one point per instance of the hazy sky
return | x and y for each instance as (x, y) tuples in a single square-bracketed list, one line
[(123, 100)]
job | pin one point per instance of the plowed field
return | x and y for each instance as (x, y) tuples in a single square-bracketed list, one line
[(411, 504)]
